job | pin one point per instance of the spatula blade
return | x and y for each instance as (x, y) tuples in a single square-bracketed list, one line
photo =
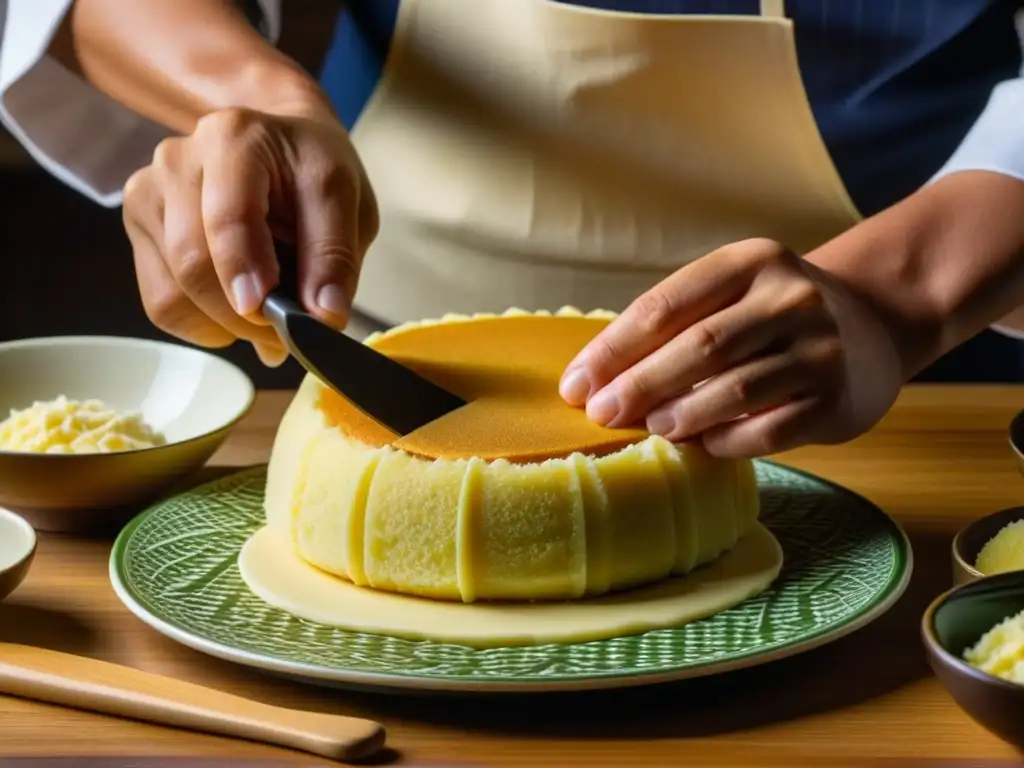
[(385, 390)]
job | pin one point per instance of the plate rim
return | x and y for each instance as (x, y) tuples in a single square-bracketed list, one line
[(320, 675)]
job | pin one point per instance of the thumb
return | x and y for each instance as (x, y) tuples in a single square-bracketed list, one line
[(328, 251)]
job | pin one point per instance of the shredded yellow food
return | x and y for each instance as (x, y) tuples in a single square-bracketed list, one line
[(1000, 651), (75, 426)]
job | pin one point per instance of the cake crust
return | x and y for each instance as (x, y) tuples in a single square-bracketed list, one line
[(507, 368)]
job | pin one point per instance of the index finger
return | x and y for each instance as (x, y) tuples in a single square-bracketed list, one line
[(328, 244), (692, 293), (235, 204)]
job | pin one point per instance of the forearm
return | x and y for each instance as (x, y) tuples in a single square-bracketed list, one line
[(174, 61), (940, 266)]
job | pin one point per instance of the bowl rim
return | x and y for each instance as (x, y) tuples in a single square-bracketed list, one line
[(933, 644), (131, 341), (1015, 428), (972, 526), (18, 521)]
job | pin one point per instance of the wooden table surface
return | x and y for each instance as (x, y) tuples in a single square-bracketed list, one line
[(937, 461)]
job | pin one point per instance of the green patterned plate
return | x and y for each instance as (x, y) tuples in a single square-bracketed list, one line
[(174, 566)]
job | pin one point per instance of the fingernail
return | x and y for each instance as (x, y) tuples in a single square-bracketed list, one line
[(272, 357), (575, 387), (246, 292), (603, 407), (332, 298), (660, 423)]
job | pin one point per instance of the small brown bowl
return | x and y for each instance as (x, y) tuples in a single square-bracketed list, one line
[(968, 542), (955, 621)]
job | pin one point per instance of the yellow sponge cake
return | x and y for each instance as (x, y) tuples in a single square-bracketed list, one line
[(516, 496)]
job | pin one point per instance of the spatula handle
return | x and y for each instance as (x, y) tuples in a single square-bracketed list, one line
[(288, 270), (284, 300), (85, 683)]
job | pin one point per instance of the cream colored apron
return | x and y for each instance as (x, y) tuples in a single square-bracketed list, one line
[(533, 154)]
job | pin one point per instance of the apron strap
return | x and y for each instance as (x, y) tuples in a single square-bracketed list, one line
[(775, 8)]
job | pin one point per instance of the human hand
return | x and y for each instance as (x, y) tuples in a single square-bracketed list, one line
[(201, 219), (751, 349)]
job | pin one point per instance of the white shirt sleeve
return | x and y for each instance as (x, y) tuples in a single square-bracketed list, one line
[(996, 143), (996, 140), (80, 135)]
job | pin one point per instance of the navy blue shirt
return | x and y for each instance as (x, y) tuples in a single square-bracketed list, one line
[(894, 84)]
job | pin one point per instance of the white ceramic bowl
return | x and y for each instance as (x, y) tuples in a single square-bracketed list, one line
[(17, 550), (192, 397)]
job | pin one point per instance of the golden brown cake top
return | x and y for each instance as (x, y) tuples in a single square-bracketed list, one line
[(507, 368)]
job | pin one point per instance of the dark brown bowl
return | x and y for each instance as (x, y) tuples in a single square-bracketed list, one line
[(968, 542), (955, 621)]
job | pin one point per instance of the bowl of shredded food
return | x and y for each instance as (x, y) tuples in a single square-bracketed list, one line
[(974, 638), (93, 424)]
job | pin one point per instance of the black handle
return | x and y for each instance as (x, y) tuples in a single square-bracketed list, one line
[(283, 301), (288, 271)]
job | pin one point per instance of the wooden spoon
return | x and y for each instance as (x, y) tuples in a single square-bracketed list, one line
[(84, 683)]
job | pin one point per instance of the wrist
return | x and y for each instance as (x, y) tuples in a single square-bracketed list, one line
[(940, 266), (280, 90)]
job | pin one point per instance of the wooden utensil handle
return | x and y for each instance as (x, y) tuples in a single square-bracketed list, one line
[(85, 683)]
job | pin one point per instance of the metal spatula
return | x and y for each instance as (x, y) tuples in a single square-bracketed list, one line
[(386, 391)]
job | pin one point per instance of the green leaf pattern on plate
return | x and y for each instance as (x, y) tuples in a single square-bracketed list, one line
[(843, 558)]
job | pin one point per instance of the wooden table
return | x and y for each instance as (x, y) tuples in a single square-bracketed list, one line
[(938, 460)]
